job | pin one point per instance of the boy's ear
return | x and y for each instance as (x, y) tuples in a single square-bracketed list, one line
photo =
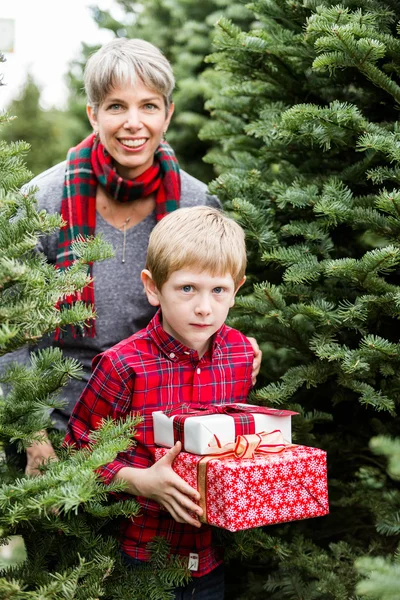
[(150, 287), (236, 291)]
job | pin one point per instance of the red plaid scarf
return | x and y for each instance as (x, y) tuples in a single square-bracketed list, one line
[(89, 165)]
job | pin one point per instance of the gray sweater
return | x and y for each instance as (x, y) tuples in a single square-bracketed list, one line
[(120, 302)]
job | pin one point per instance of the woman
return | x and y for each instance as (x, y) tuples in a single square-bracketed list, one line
[(118, 182)]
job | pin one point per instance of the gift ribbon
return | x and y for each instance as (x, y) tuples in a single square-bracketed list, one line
[(245, 446), (241, 414)]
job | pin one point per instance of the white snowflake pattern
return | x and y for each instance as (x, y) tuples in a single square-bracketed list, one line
[(228, 478), (241, 486), (268, 474), (293, 481), (299, 468), (291, 496), (304, 492), (285, 513), (321, 485), (286, 469), (276, 498), (242, 502), (299, 511), (257, 474), (301, 451), (320, 468), (308, 480), (312, 464), (253, 516), (269, 514), (230, 494), (212, 493), (230, 513)]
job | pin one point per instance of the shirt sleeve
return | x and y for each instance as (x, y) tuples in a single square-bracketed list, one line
[(105, 395)]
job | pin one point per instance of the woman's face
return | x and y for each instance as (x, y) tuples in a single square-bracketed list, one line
[(131, 122)]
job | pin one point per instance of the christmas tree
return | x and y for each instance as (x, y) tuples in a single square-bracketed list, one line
[(50, 133), (66, 516), (305, 127)]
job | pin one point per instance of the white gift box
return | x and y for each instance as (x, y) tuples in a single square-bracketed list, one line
[(200, 431)]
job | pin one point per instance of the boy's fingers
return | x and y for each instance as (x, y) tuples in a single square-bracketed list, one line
[(178, 483), (187, 490), (172, 453), (187, 504), (184, 488), (181, 515)]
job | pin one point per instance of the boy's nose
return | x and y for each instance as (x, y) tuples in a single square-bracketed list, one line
[(203, 306)]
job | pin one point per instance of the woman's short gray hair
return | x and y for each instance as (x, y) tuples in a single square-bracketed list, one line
[(122, 61)]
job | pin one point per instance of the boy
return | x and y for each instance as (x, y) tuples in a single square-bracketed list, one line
[(195, 265)]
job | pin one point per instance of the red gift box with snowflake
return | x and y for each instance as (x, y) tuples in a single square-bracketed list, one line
[(288, 484)]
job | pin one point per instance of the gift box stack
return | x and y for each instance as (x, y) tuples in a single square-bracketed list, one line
[(241, 460)]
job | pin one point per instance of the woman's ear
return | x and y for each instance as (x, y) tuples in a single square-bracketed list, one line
[(91, 116), (170, 112), (150, 287)]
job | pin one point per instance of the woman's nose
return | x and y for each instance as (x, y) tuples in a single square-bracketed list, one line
[(133, 120)]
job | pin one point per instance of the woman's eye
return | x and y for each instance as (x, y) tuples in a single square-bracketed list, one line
[(150, 106), (187, 288), (114, 107)]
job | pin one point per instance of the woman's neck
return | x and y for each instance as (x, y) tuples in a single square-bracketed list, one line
[(123, 214)]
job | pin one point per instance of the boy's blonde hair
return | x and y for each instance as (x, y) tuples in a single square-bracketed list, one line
[(200, 237)]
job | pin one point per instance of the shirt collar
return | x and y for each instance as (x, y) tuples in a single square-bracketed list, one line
[(173, 349)]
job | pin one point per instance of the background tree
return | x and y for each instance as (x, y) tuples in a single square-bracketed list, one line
[(50, 133), (66, 516), (306, 124)]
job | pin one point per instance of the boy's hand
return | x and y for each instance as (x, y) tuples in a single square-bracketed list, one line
[(256, 361), (160, 483)]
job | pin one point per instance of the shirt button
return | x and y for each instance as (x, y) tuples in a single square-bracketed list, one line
[(198, 371), (172, 355)]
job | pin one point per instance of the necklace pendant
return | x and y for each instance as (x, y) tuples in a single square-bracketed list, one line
[(124, 244)]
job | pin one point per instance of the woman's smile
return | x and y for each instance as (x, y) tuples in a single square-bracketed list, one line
[(133, 144)]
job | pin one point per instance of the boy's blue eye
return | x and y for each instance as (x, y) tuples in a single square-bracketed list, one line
[(186, 288), (218, 290)]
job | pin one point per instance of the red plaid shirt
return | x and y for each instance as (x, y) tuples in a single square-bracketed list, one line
[(152, 371)]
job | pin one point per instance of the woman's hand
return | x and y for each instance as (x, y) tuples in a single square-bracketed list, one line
[(38, 453), (256, 360), (160, 483)]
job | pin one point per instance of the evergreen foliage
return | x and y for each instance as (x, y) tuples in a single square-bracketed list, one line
[(305, 133), (50, 133), (67, 517)]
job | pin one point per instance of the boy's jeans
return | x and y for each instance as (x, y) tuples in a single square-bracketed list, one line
[(208, 587)]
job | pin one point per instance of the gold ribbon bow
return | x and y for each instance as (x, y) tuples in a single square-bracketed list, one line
[(245, 446)]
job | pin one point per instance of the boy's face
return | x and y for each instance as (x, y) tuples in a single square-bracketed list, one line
[(194, 304)]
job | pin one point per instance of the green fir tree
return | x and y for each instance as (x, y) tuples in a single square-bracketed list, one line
[(50, 133), (66, 517), (306, 137), (381, 573)]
